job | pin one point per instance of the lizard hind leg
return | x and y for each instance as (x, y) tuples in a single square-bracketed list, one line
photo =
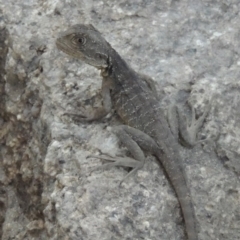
[(134, 140), (188, 130)]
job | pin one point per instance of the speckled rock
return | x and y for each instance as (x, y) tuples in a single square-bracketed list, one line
[(49, 189)]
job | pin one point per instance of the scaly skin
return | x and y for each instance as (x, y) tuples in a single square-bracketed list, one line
[(131, 97)]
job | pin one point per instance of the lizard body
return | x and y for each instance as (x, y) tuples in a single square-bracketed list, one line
[(146, 127)]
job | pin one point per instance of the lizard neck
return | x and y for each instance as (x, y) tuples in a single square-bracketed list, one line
[(116, 68)]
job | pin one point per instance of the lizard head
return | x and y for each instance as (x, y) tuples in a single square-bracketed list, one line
[(85, 43)]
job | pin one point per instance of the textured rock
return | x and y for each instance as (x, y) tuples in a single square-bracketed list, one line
[(47, 187)]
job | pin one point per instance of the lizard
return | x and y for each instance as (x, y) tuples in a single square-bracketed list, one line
[(131, 96)]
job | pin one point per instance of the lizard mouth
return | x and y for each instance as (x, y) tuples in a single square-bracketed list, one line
[(76, 53), (65, 48)]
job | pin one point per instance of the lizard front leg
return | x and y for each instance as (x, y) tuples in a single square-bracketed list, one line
[(135, 140), (98, 113)]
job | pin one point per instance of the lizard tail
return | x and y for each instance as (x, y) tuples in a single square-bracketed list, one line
[(173, 167)]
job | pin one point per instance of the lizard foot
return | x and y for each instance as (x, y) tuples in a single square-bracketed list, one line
[(120, 162), (77, 117), (189, 129), (93, 116)]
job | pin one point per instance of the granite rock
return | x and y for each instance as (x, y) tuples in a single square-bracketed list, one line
[(49, 189)]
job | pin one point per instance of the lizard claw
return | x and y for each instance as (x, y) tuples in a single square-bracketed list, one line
[(79, 117)]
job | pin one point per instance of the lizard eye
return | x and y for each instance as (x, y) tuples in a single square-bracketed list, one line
[(81, 40)]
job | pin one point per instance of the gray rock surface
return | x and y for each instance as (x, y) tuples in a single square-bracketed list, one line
[(47, 187)]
